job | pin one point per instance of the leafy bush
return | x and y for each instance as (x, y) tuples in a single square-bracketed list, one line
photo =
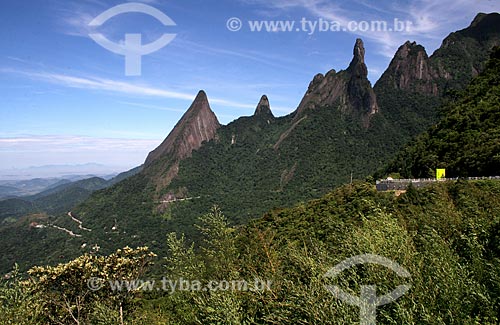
[(78, 292)]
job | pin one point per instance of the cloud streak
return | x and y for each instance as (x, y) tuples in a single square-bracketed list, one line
[(73, 18), (121, 87), (275, 61), (431, 20), (68, 144)]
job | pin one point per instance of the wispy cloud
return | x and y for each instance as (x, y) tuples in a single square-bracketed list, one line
[(276, 61), (375, 72), (108, 85), (73, 18), (431, 20), (155, 107), (77, 24), (62, 144), (17, 59), (335, 12)]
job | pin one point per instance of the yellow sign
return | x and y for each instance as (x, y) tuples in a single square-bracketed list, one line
[(440, 173)]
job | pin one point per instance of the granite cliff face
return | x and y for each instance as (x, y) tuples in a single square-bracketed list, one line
[(349, 89), (414, 85), (460, 58), (197, 125), (410, 70)]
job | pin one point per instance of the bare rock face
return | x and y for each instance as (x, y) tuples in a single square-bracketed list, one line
[(460, 58), (263, 108), (410, 70), (348, 88), (359, 89), (198, 124)]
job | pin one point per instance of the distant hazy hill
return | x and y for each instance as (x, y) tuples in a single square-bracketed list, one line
[(59, 197), (9, 191), (56, 171), (17, 188)]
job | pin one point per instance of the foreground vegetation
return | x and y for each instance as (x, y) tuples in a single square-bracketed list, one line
[(447, 236)]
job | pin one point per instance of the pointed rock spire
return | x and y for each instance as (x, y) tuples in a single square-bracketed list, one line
[(198, 124), (263, 108), (359, 89), (349, 90), (358, 54)]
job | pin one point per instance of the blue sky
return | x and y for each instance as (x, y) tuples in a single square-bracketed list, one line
[(67, 100)]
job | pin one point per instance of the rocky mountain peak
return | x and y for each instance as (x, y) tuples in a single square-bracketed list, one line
[(201, 100), (483, 19), (349, 89), (410, 70), (263, 108), (477, 20), (197, 125)]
